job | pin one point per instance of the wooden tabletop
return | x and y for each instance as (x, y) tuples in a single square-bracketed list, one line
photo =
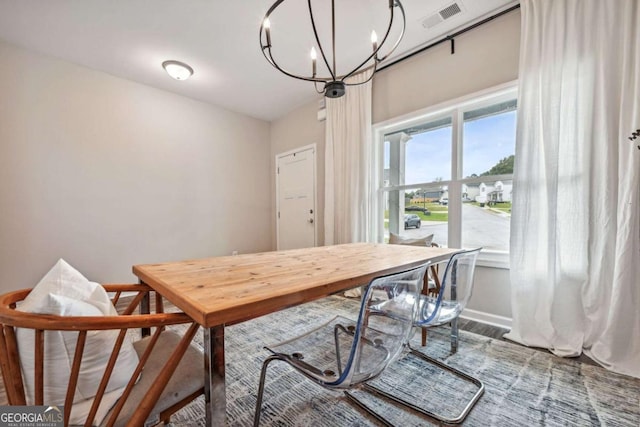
[(226, 290)]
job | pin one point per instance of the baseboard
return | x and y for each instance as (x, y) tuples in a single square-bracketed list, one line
[(486, 318)]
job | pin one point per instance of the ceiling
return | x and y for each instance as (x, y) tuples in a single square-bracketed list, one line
[(219, 39)]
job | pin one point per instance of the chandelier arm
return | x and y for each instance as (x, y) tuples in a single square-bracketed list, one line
[(275, 65), (266, 17), (266, 51), (315, 33), (267, 57), (374, 66), (315, 84), (392, 15), (267, 45), (404, 27), (384, 39)]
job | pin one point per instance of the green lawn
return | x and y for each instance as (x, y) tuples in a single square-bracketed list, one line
[(437, 207), (438, 212)]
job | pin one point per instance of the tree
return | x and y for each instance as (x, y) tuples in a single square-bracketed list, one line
[(503, 167)]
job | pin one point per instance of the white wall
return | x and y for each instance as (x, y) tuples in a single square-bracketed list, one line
[(108, 173), (485, 57)]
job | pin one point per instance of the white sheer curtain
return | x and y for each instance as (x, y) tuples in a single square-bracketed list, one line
[(575, 228), (348, 165)]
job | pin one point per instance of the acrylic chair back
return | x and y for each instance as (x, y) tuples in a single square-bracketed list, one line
[(344, 352), (389, 305), (455, 291)]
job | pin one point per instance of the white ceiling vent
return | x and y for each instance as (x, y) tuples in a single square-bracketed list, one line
[(451, 10), (443, 14)]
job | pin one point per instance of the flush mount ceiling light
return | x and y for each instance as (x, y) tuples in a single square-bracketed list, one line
[(332, 77), (178, 70)]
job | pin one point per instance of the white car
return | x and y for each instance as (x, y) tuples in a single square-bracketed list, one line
[(444, 201)]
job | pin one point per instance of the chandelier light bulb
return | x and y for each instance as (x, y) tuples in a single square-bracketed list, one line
[(266, 24), (314, 56), (374, 40)]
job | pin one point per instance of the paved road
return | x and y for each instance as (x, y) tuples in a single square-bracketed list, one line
[(480, 227)]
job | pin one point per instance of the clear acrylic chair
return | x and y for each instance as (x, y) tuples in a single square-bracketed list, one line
[(343, 353), (453, 296), (455, 292)]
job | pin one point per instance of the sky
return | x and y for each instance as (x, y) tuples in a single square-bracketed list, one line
[(486, 142)]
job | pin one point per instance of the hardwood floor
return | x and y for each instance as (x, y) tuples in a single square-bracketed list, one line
[(483, 329), (497, 332)]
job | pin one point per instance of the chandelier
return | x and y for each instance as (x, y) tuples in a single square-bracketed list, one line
[(334, 82)]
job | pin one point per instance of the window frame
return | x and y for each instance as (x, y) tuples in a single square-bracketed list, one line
[(455, 109)]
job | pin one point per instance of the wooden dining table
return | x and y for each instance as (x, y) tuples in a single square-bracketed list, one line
[(221, 291)]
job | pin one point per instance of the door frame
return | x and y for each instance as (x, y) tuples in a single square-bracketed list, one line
[(315, 190)]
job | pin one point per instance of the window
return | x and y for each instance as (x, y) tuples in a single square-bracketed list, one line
[(452, 166)]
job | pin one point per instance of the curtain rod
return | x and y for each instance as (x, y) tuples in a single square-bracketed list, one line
[(451, 37)]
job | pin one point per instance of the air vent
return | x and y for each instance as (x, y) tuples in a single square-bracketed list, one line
[(449, 11)]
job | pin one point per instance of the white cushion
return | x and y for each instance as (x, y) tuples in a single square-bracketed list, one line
[(396, 239), (64, 291)]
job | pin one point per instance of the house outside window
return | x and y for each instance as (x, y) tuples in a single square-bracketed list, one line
[(452, 165)]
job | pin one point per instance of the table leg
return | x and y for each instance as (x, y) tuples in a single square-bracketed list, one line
[(454, 297), (214, 381), (454, 335), (145, 308)]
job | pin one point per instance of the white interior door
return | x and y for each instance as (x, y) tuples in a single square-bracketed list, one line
[(296, 198)]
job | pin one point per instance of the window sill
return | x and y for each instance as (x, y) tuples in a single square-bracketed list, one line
[(494, 259)]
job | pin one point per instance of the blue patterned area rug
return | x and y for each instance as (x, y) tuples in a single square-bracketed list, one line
[(524, 387)]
